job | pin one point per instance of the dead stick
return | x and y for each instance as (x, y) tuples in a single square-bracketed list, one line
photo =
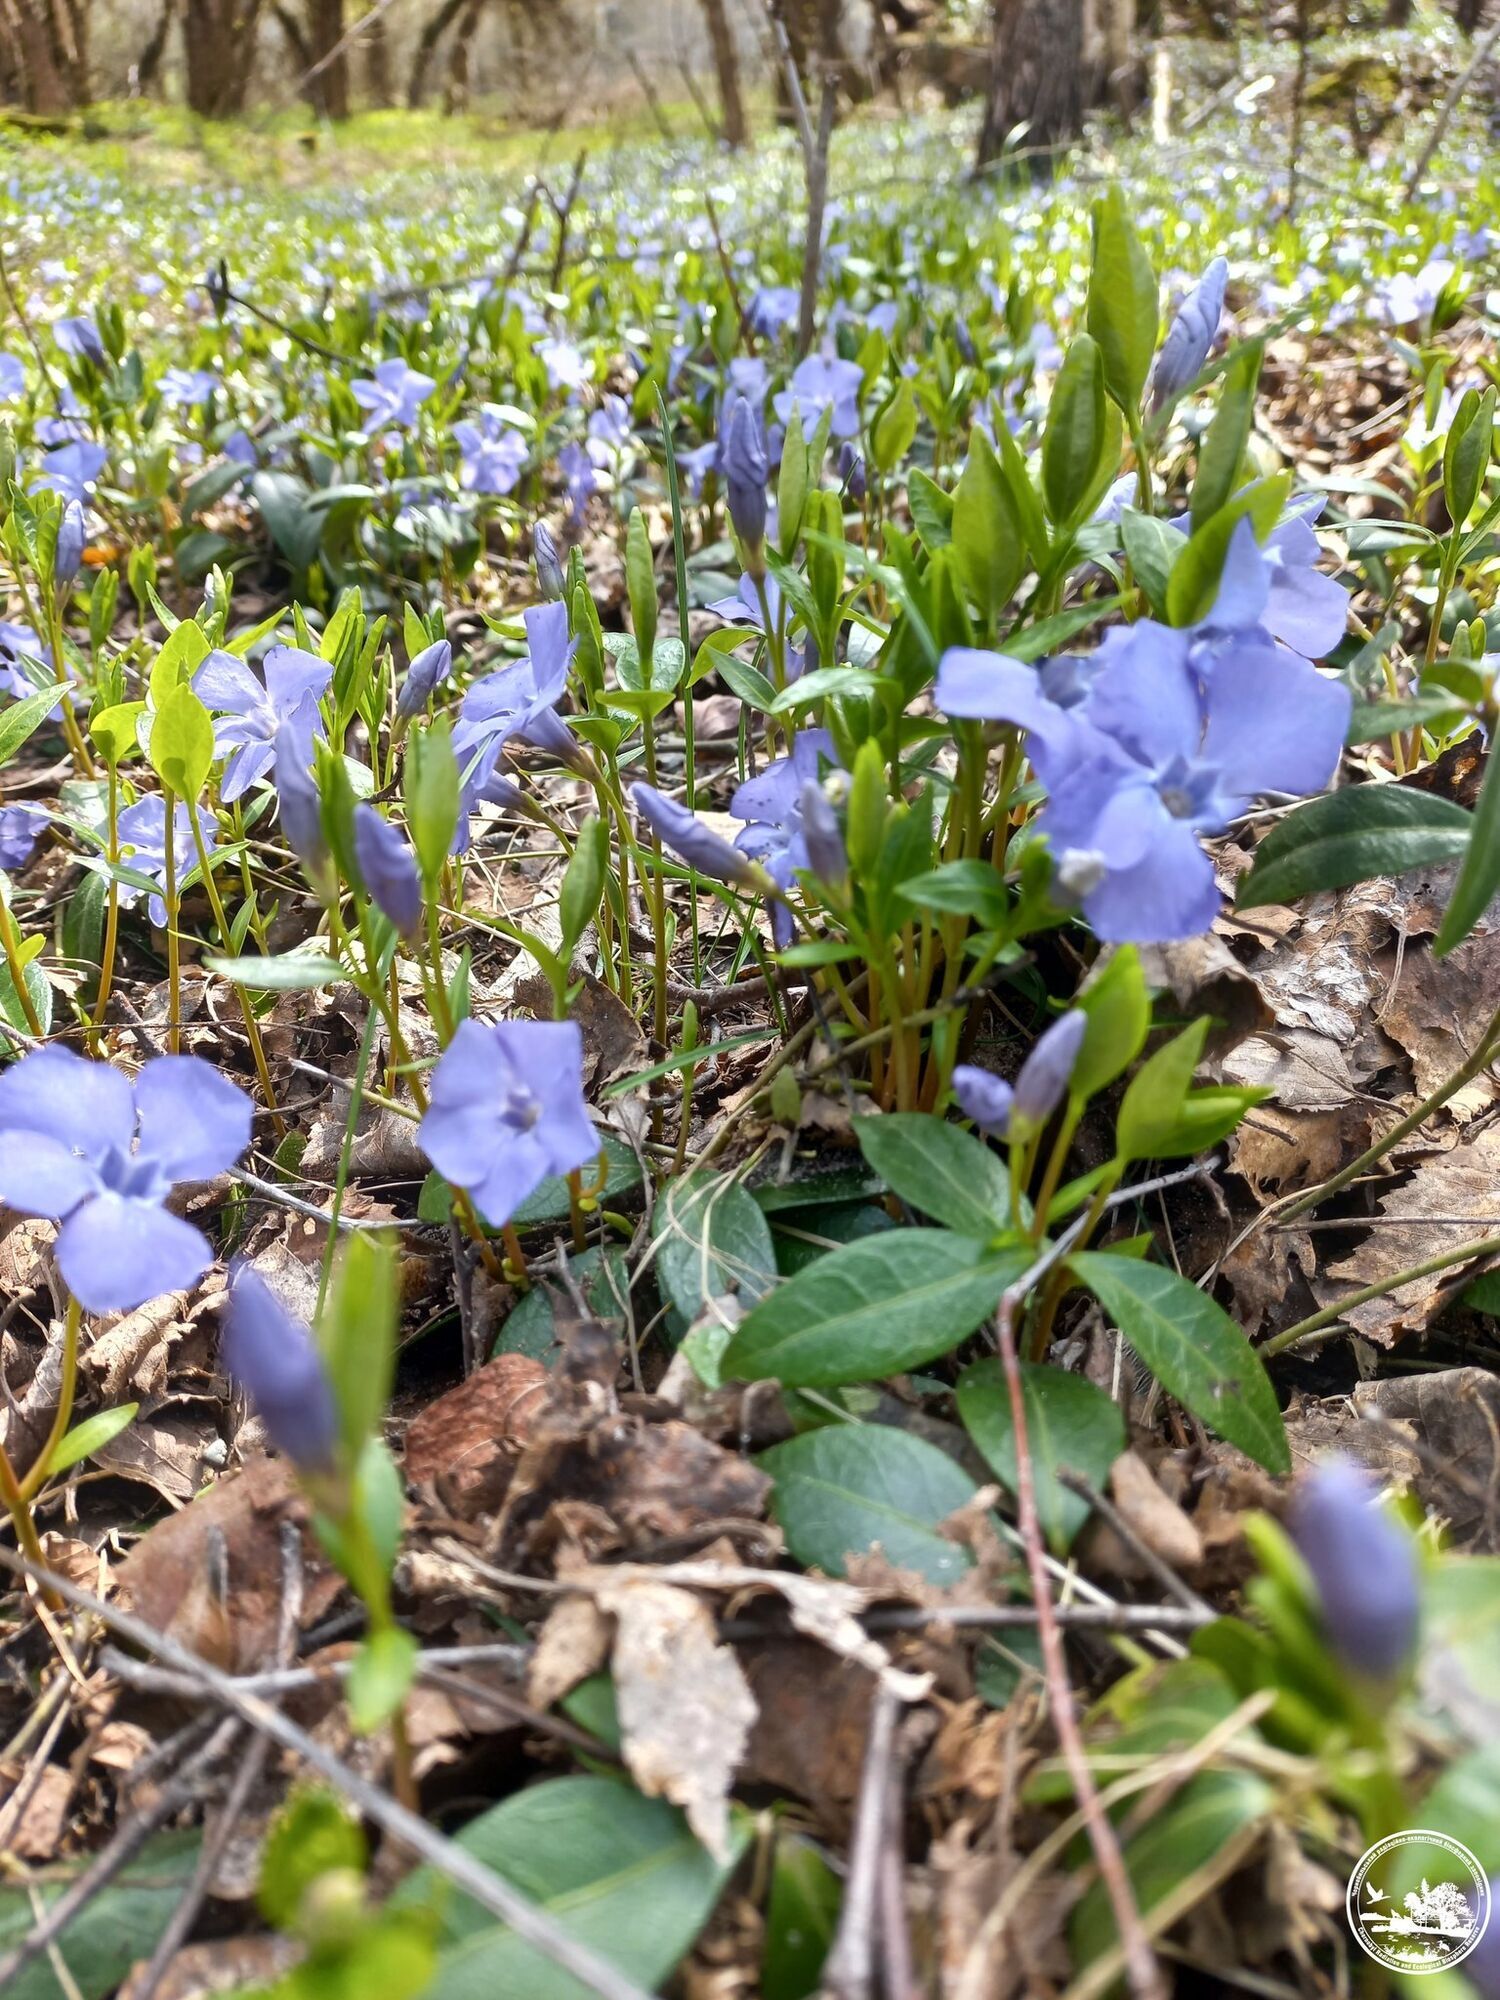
[(491, 1891), (1141, 1969), (849, 1970)]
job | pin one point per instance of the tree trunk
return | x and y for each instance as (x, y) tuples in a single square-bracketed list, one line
[(1036, 76), (44, 45), (147, 65), (328, 89), (1468, 13), (456, 90), (378, 86), (727, 69), (218, 41), (427, 42)]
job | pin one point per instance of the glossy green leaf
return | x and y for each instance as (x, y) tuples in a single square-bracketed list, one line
[(113, 1929), (1354, 835), (1193, 1348), (1124, 312), (1070, 1425), (873, 1308), (90, 1436), (942, 1172), (847, 1489), (712, 1238)]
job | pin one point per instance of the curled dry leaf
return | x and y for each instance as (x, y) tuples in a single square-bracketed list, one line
[(1156, 1518), (684, 1705), (466, 1444)]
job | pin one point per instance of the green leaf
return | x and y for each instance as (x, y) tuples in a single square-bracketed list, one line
[(1353, 836), (894, 428), (640, 577), (712, 1238), (185, 650), (1074, 440), (1369, 721), (619, 1873), (1124, 311), (943, 1172), (551, 1201), (357, 1335), (1222, 451), (114, 731), (1193, 1348), (791, 485), (800, 1917), (113, 1929), (960, 889), (1479, 875), (287, 972), (987, 533), (931, 509), (311, 1836), (20, 719), (1466, 454), (1213, 1816), (1196, 576), (432, 787), (1069, 1424), (846, 1489), (583, 881), (86, 1438), (531, 1328), (1152, 1105), (381, 1677), (1153, 550), (1117, 1007), (871, 1309), (182, 744)]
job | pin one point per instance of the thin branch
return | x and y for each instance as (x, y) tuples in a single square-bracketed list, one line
[(849, 1970), (491, 1891), (1141, 1969), (1449, 105)]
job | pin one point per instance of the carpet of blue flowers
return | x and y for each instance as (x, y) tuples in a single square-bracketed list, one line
[(744, 1080)]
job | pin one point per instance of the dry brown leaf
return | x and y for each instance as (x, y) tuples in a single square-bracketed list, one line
[(573, 1644), (39, 1837), (685, 1707), (227, 1965), (1157, 1519), (466, 1444), (1460, 1183), (809, 1737)]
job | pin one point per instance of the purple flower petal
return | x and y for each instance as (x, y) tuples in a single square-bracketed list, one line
[(85, 1106), (194, 1123), (115, 1253)]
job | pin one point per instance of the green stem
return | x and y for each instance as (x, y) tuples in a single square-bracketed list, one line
[(10, 940), (1481, 1246), (169, 897), (247, 1012), (112, 915), (36, 1478)]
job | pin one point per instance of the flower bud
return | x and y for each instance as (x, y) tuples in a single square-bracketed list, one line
[(424, 676), (963, 340), (1363, 1565), (301, 808), (745, 475), (852, 472), (72, 533), (987, 1099), (823, 837), (1045, 1072), (1190, 335), (390, 870), (693, 842), (549, 569), (272, 1357)]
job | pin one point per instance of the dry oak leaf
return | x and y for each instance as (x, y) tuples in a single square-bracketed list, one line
[(1460, 1183), (466, 1444), (809, 1738), (211, 1575)]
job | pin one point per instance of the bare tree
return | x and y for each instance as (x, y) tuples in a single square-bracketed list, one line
[(1036, 75), (218, 43), (379, 88), (433, 31), (727, 68), (317, 44), (44, 53)]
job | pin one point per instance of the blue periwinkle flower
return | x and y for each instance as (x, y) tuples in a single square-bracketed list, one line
[(79, 338), (1190, 336), (548, 562), (18, 642), (577, 469), (187, 388), (745, 473), (1363, 1565), (823, 382), (492, 454), (21, 827), (79, 1143), (521, 699), (72, 535), (772, 804), (300, 806), (274, 1359), (822, 836), (424, 677), (680, 829), (389, 868), (984, 1097), (251, 714), (394, 397), (71, 470), (12, 377), (506, 1111), (143, 836), (852, 476)]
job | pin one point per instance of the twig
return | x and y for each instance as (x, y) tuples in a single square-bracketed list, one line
[(747, 329), (817, 202), (1163, 1571), (563, 211), (1141, 1969), (491, 1891), (849, 1969), (1106, 1617), (1449, 105), (246, 1776), (1465, 1253), (129, 1837), (291, 1680)]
